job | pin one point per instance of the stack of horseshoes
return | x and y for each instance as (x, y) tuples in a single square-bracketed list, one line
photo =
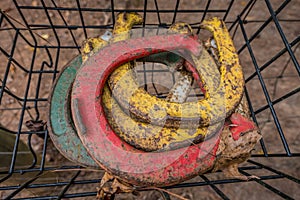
[(99, 116)]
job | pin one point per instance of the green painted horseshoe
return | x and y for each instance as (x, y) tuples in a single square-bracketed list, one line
[(62, 130)]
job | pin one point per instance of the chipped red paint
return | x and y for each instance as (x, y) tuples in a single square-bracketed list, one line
[(240, 124), (195, 75), (112, 153)]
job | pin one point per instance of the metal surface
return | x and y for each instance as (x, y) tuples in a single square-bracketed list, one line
[(140, 135), (149, 137), (105, 146), (62, 130), (150, 109), (256, 26), (181, 89), (217, 104)]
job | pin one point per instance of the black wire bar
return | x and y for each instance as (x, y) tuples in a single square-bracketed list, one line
[(276, 174)]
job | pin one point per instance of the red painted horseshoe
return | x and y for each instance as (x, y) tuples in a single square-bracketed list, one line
[(110, 152)]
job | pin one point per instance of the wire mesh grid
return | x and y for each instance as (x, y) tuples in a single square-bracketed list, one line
[(39, 37)]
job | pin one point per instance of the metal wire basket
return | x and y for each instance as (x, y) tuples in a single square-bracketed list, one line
[(38, 37)]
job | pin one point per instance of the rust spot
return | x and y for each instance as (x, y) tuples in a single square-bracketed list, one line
[(156, 107), (90, 44), (234, 87), (125, 18), (198, 139)]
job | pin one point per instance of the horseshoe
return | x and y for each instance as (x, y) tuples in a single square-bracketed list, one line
[(135, 166), (61, 129)]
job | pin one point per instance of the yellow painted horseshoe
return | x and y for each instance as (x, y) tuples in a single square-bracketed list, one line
[(216, 106)]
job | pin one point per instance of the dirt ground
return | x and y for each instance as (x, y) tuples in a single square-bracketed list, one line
[(279, 77)]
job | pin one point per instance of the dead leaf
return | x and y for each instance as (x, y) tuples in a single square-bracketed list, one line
[(45, 36), (38, 125)]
